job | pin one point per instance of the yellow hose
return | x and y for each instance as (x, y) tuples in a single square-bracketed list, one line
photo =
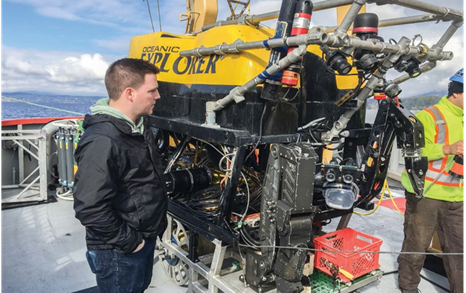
[(385, 186), (393, 201), (378, 204)]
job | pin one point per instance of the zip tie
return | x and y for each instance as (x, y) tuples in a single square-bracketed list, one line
[(263, 75), (266, 44)]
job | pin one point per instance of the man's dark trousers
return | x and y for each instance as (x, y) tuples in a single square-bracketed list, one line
[(123, 272), (422, 218)]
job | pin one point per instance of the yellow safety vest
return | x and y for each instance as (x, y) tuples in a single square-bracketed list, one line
[(443, 124), (436, 166)]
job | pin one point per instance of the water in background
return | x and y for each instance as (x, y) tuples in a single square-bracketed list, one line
[(78, 105)]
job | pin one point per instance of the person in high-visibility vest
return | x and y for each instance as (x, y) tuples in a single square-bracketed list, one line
[(441, 208)]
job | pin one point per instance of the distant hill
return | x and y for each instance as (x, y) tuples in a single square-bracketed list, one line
[(42, 97), (28, 93), (44, 94), (432, 93), (420, 102)]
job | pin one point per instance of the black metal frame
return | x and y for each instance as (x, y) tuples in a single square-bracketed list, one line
[(232, 137)]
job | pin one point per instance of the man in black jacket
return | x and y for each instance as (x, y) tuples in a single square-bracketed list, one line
[(120, 197)]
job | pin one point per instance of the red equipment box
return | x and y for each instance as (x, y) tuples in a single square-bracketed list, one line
[(341, 253)]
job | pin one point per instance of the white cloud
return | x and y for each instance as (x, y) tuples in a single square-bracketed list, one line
[(73, 69), (54, 71)]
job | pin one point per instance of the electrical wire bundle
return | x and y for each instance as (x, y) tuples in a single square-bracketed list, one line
[(206, 203), (242, 201)]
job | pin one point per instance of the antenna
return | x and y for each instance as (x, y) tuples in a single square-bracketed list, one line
[(150, 15), (160, 20)]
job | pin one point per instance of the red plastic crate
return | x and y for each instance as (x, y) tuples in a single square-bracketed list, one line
[(355, 263)]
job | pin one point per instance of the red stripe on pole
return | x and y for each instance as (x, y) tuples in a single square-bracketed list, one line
[(298, 31), (365, 29), (305, 15)]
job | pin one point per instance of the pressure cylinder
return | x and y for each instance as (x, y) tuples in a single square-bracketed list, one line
[(69, 150), (69, 157), (366, 27), (283, 29), (61, 157), (301, 23)]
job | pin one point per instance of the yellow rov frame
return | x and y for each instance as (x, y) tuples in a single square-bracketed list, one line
[(162, 49)]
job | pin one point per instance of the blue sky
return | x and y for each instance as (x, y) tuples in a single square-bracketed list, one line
[(65, 47)]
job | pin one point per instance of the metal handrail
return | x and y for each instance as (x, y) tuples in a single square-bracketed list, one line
[(19, 136)]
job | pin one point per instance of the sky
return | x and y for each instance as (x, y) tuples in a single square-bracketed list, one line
[(64, 47)]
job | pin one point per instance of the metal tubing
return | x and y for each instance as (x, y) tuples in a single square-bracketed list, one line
[(237, 93), (22, 136), (395, 21), (345, 24), (29, 136), (32, 144), (61, 157), (367, 91), (43, 162), (448, 34), (21, 156), (426, 67), (69, 157), (217, 261), (437, 47), (382, 47), (256, 19), (408, 20), (29, 176), (27, 187), (22, 147), (446, 13), (316, 38), (319, 37)]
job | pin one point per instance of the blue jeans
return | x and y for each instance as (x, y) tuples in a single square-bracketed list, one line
[(118, 272)]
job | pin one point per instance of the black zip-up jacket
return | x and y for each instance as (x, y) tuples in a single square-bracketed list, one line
[(119, 193)]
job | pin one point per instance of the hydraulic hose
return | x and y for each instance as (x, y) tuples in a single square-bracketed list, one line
[(385, 186), (378, 204)]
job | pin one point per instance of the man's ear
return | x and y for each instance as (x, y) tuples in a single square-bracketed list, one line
[(129, 94)]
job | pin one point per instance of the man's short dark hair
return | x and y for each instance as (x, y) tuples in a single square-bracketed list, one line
[(127, 72), (454, 87)]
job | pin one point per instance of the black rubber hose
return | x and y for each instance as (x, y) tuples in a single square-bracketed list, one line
[(249, 237)]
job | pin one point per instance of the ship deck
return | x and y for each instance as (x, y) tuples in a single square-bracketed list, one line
[(43, 250)]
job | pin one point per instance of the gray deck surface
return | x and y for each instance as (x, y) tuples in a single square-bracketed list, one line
[(43, 250)]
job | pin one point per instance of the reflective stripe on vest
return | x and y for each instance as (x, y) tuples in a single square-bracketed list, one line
[(441, 137)]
